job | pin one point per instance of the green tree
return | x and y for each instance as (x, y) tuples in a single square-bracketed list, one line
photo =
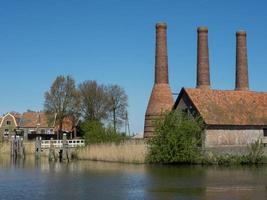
[(177, 139), (94, 132)]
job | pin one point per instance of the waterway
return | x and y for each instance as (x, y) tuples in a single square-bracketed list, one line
[(30, 179)]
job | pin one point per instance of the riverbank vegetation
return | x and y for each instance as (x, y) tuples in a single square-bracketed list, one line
[(128, 151), (29, 148), (254, 155), (94, 132), (178, 141), (104, 144)]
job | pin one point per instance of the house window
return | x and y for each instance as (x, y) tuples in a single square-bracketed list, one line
[(6, 132), (42, 131), (265, 132), (8, 122)]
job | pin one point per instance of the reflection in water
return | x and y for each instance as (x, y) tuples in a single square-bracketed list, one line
[(40, 179)]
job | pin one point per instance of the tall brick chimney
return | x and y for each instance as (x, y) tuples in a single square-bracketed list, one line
[(241, 81), (161, 97), (203, 69)]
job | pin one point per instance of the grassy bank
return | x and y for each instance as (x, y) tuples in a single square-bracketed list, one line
[(130, 151), (29, 148)]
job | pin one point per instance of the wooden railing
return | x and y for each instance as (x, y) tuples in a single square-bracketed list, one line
[(264, 140), (46, 144)]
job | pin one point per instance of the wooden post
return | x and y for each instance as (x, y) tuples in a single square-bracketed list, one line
[(65, 151), (38, 143), (52, 155), (22, 149), (17, 149), (12, 146)]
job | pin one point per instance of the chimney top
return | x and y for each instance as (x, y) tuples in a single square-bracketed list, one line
[(241, 32), (161, 25), (202, 29)]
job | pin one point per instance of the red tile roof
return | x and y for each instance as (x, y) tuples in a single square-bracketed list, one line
[(223, 107), (67, 125), (34, 119), (40, 120)]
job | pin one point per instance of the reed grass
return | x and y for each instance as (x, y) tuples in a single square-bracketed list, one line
[(29, 147), (130, 151), (4, 148)]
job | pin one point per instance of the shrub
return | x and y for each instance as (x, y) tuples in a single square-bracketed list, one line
[(256, 153), (94, 132), (229, 159), (177, 139)]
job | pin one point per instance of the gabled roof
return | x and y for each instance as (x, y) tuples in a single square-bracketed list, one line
[(68, 125), (34, 119), (228, 107), (15, 116)]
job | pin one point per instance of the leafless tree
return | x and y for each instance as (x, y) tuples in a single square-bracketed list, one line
[(94, 101), (62, 100), (118, 103)]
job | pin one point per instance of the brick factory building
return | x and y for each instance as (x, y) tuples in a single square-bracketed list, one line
[(232, 117)]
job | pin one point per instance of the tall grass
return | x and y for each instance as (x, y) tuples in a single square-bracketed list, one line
[(4, 148), (29, 147), (129, 151)]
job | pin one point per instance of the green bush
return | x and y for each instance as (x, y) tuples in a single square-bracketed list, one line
[(256, 153), (177, 139), (94, 132), (229, 159)]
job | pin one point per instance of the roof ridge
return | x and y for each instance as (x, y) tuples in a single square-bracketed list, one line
[(220, 90)]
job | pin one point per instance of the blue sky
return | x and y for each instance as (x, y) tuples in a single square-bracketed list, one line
[(113, 41)]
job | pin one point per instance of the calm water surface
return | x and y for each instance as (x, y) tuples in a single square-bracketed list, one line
[(30, 179)]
